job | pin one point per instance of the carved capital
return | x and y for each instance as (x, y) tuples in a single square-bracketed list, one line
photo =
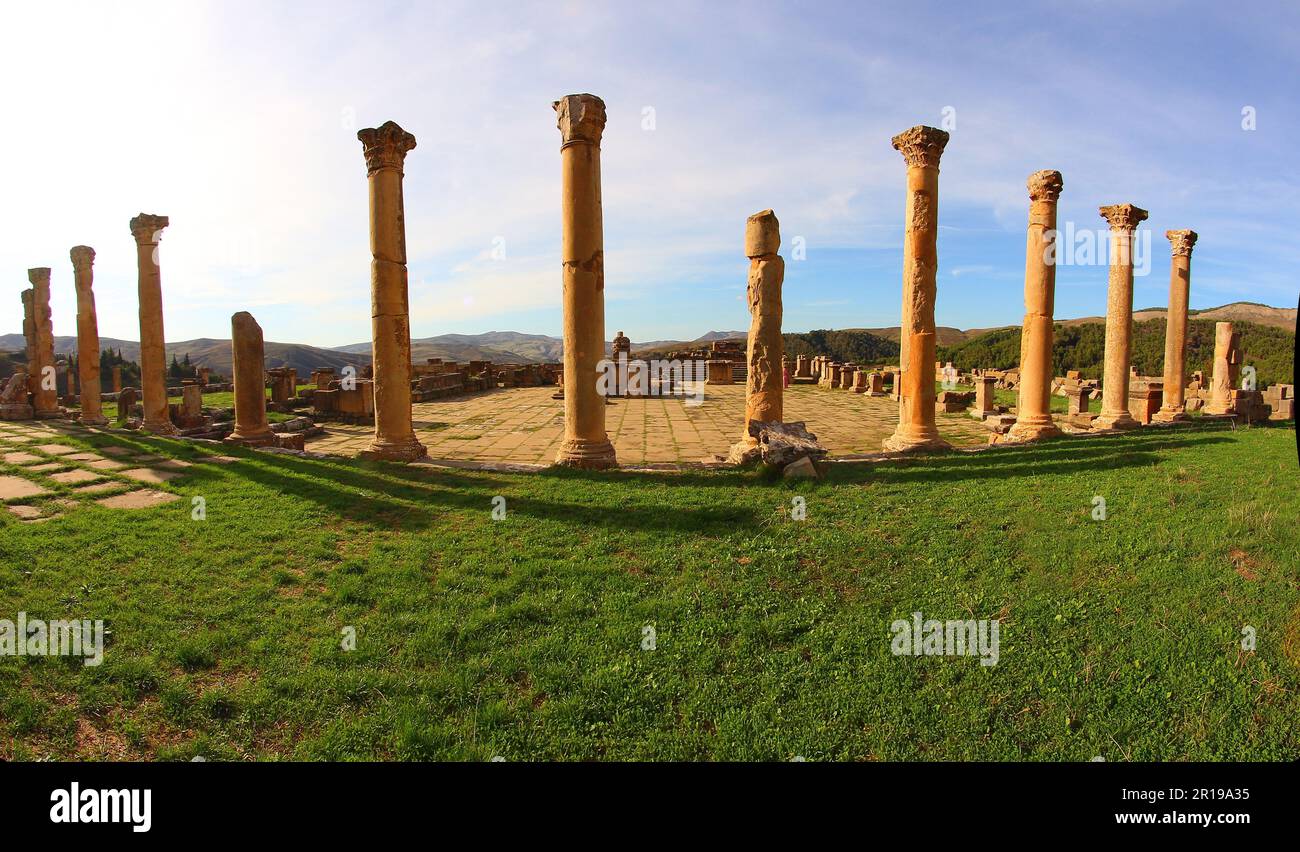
[(385, 146), (1123, 217), (921, 146), (39, 277), (1045, 185), (1181, 242), (82, 257), (148, 227), (581, 118)]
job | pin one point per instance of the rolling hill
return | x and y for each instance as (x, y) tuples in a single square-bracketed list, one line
[(213, 353)]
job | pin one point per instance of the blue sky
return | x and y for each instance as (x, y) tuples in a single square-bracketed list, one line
[(239, 121)]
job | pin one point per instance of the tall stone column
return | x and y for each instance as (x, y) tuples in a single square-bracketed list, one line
[(29, 335), (921, 147), (249, 358), (1034, 412), (1123, 219), (764, 387), (45, 399), (83, 258), (1227, 369), (147, 229), (1173, 407), (581, 120), (385, 150)]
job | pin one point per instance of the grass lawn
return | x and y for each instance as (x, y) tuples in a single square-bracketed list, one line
[(225, 399), (523, 637)]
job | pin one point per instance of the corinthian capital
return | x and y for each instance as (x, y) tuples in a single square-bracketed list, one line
[(1123, 217), (1181, 242), (581, 118), (1045, 185), (921, 146), (148, 227), (385, 146), (39, 277), (82, 256)]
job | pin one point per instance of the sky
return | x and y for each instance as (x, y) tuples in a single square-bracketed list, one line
[(239, 121)]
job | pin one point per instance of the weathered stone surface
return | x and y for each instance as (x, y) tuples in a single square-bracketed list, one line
[(1227, 370), (764, 381), (45, 397), (777, 444), (801, 468), (83, 259), (141, 499), (1123, 220), (1173, 408), (16, 488), (147, 230), (581, 121), (248, 352), (1033, 412)]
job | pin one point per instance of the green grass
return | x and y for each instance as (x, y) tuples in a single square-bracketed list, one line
[(224, 399), (522, 637)]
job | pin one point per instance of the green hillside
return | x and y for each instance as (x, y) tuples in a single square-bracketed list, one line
[(1082, 347), (858, 347)]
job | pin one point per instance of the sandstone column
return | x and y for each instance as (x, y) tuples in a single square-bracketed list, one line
[(921, 147), (1123, 219), (147, 230), (45, 400), (250, 383), (1173, 407), (581, 120), (764, 386), (29, 335), (117, 379), (83, 257), (1226, 370), (1033, 411), (385, 151)]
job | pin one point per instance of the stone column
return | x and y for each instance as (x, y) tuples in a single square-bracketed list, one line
[(83, 257), (1226, 370), (921, 147), (1172, 408), (385, 151), (29, 335), (147, 230), (45, 399), (1123, 219), (1033, 410), (581, 120), (250, 383), (117, 379), (764, 385)]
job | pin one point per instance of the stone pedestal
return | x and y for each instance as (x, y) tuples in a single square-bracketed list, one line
[(1180, 279), (147, 230), (764, 385), (83, 259), (1034, 411), (921, 147), (719, 372), (802, 367), (984, 400), (1123, 220), (249, 360), (581, 120), (385, 150), (1227, 370), (45, 392)]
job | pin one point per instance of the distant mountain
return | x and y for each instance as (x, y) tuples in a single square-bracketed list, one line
[(209, 352)]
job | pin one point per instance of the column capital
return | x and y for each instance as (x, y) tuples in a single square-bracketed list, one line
[(762, 234), (1181, 242), (921, 146), (385, 146), (580, 118), (1122, 217), (148, 227), (39, 276), (82, 257), (1045, 185)]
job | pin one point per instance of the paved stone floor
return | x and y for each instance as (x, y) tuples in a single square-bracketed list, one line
[(524, 425), (41, 478)]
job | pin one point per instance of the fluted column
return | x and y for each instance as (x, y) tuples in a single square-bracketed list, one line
[(1123, 220), (1173, 408), (764, 386), (1033, 411), (147, 230), (249, 359), (45, 399), (83, 259), (390, 323), (581, 120), (921, 147)]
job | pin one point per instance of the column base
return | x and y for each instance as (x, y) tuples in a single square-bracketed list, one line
[(1115, 421), (903, 443), (401, 451), (587, 454), (16, 411), (1171, 415), (93, 421), (255, 439), (159, 427), (1032, 430), (1210, 410), (47, 414)]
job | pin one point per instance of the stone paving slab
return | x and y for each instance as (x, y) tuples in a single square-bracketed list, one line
[(106, 464), (56, 449), (74, 477), (143, 499), (17, 488), (151, 476), (21, 458)]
